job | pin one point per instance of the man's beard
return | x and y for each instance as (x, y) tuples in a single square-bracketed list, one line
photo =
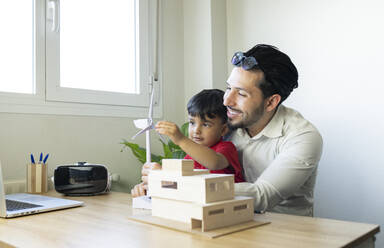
[(249, 120)]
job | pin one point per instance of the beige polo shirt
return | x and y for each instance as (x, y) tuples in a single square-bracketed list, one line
[(280, 163)]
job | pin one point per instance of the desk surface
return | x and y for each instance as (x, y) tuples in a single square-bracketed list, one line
[(103, 222)]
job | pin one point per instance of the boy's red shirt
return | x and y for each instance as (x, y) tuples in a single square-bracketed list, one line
[(229, 151)]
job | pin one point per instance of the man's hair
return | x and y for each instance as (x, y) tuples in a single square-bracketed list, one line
[(208, 103), (280, 74)]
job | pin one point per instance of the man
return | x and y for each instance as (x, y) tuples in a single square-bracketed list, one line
[(278, 148)]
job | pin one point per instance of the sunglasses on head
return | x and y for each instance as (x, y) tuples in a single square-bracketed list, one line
[(247, 63)]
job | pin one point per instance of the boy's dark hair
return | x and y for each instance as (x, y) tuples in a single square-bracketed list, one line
[(208, 103)]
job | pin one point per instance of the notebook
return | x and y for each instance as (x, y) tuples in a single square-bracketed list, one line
[(25, 204), (142, 202)]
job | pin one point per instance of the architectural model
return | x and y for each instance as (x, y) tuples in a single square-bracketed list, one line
[(196, 197)]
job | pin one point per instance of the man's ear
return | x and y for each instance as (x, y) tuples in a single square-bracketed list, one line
[(224, 130), (272, 102)]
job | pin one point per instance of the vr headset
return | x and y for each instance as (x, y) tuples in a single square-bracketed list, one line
[(82, 179)]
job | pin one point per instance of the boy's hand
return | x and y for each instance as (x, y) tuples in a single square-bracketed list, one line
[(171, 130)]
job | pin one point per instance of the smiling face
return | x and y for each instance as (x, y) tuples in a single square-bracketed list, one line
[(243, 99), (207, 131)]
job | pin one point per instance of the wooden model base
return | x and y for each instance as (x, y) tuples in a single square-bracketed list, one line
[(208, 216), (145, 216)]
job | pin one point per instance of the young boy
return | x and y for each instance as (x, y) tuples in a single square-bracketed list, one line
[(207, 125)]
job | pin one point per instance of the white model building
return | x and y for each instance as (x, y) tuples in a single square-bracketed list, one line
[(196, 197)]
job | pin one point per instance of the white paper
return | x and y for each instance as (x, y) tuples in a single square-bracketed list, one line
[(142, 202)]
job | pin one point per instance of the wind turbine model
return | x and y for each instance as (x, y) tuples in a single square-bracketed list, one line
[(146, 125)]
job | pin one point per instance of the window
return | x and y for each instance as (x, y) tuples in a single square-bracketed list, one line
[(216, 211), (89, 57), (219, 186), (91, 44), (169, 184), (240, 207), (213, 187), (16, 65)]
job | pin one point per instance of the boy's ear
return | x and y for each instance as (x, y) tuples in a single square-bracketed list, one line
[(224, 130)]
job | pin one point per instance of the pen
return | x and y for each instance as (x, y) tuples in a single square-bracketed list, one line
[(45, 159), (32, 159), (41, 158)]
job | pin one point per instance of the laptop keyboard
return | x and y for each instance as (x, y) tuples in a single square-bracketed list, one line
[(17, 205)]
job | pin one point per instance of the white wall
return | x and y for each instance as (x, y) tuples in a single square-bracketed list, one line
[(337, 46), (197, 47), (69, 139), (205, 45)]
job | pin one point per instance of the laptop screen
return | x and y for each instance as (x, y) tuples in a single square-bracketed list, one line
[(3, 209)]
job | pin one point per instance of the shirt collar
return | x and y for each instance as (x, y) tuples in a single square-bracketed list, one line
[(274, 128)]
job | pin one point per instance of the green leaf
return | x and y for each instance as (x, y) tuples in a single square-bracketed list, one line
[(156, 158), (178, 154), (140, 153), (170, 149), (172, 146), (167, 150), (184, 128)]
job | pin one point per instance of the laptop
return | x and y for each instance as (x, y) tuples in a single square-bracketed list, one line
[(25, 204)]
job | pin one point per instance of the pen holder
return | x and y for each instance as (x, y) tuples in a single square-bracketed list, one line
[(37, 179)]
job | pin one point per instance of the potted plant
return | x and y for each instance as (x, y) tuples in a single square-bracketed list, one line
[(170, 149)]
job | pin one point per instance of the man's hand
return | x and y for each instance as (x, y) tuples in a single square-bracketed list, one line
[(139, 190), (146, 169), (171, 130)]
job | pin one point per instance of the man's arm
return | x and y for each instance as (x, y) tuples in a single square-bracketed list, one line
[(296, 162), (202, 154)]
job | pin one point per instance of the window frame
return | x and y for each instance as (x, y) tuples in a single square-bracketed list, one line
[(41, 103)]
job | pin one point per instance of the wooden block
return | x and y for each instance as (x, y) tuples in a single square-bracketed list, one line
[(206, 216), (196, 188), (146, 217), (173, 186), (176, 210), (182, 167), (177, 165), (227, 213), (194, 172), (219, 188)]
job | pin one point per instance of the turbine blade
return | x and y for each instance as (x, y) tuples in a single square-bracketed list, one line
[(143, 131), (162, 138), (141, 123)]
